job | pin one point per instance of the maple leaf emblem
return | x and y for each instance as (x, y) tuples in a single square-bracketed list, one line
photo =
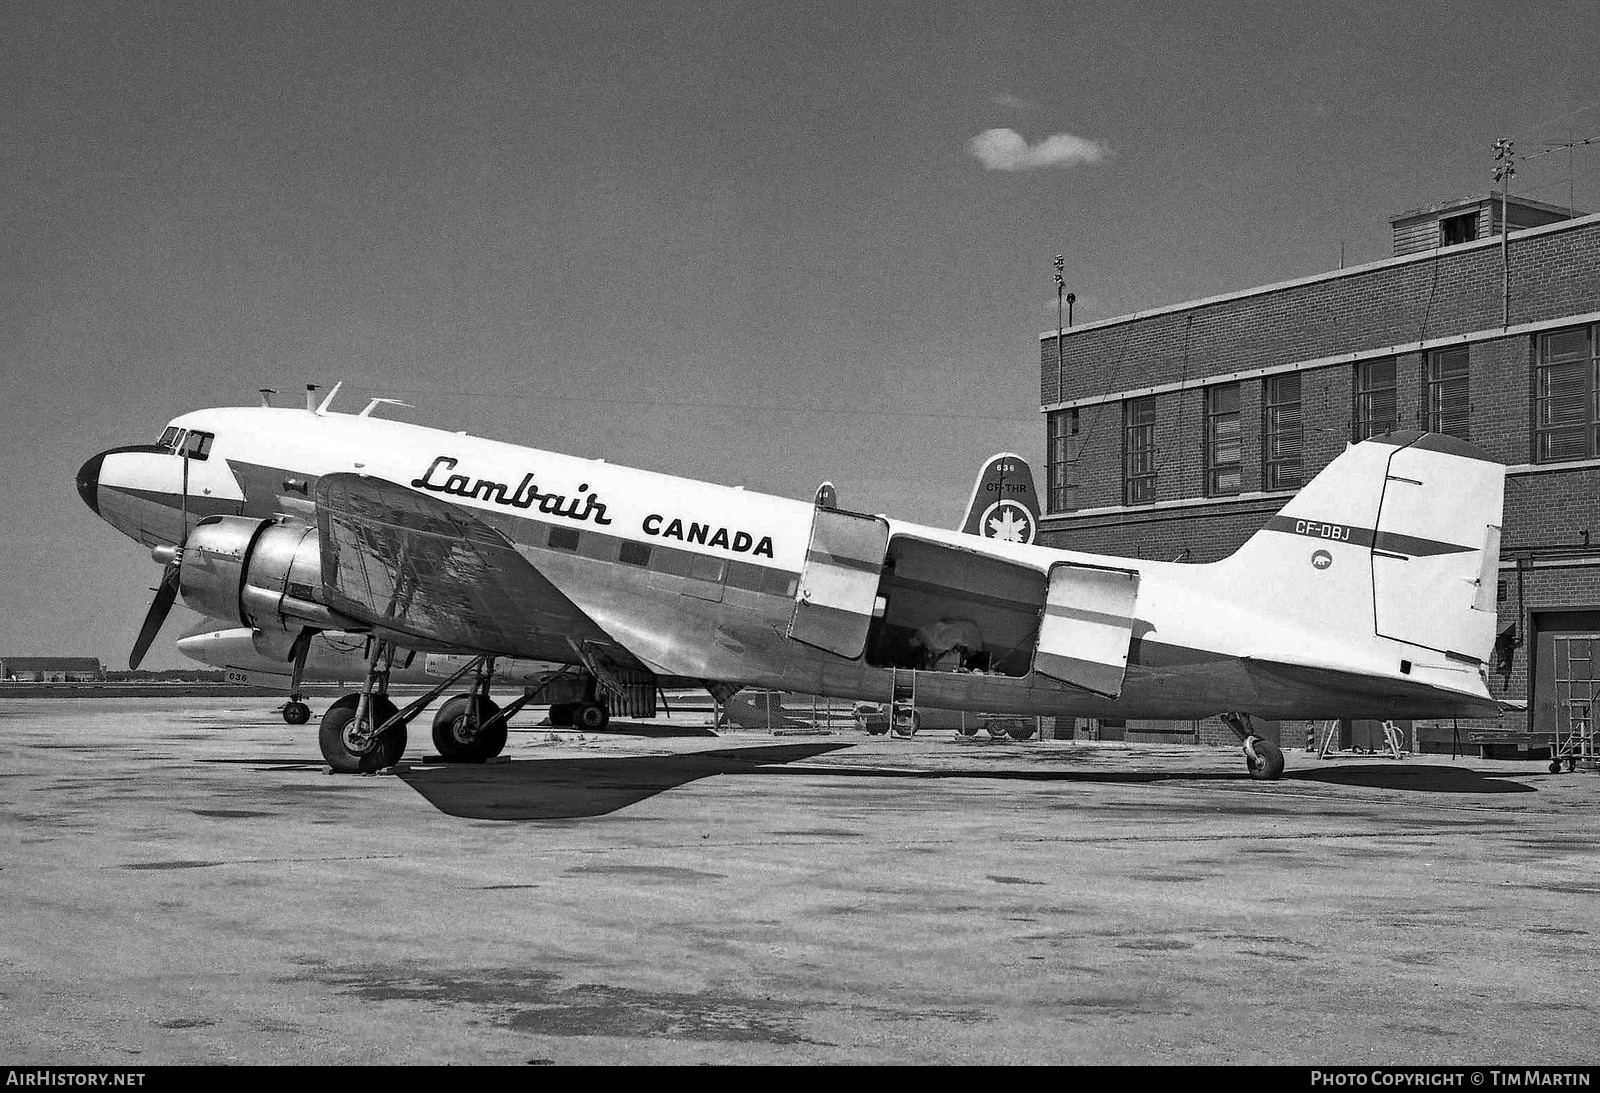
[(1007, 526)]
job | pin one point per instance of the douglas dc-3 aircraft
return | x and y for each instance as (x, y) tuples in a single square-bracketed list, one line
[(1370, 595)]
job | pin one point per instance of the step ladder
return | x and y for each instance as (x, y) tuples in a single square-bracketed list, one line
[(1392, 736), (903, 719)]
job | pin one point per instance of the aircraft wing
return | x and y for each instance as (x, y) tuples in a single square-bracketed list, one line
[(397, 559)]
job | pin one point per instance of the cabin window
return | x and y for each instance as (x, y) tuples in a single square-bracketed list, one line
[(706, 568), (1448, 401), (1377, 405), (1282, 441), (1224, 452), (752, 578), (1564, 396), (632, 553), (1139, 451), (564, 539)]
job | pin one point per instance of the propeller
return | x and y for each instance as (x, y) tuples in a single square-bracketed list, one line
[(167, 590), (166, 593)]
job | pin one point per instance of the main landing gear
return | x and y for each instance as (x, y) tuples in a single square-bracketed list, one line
[(1262, 757), (365, 732), (471, 727)]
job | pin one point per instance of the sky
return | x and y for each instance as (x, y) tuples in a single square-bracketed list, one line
[(764, 244)]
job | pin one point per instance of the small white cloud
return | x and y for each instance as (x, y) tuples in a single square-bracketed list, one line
[(1006, 150)]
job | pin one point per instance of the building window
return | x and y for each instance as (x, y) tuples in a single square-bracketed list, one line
[(1224, 452), (1377, 405), (1564, 396), (1139, 451), (1458, 229), (1282, 435), (1061, 468), (1448, 400)]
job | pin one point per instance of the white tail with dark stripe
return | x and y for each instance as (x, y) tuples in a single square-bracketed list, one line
[(1398, 537)]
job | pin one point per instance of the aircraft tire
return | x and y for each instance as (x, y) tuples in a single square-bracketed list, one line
[(908, 730), (997, 729), (449, 728), (296, 713), (591, 716), (1022, 732), (1268, 766), (384, 752), (969, 728)]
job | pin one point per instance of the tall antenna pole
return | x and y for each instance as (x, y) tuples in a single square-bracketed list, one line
[(1061, 284), (1505, 166)]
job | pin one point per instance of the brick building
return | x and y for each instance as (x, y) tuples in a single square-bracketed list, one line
[(1174, 433)]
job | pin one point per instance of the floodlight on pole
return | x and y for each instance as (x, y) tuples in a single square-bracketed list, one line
[(1505, 166)]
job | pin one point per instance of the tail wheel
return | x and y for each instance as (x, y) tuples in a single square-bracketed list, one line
[(1268, 763), (349, 750), (457, 735), (591, 716)]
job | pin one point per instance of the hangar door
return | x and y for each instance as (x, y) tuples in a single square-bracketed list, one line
[(1087, 627), (839, 582)]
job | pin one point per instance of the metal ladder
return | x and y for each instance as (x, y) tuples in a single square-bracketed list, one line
[(903, 703)]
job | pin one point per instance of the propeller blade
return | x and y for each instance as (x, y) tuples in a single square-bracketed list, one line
[(166, 593)]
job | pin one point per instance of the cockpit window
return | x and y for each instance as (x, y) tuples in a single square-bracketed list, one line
[(191, 442), (196, 445)]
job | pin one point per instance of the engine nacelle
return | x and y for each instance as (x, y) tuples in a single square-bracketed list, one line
[(255, 573)]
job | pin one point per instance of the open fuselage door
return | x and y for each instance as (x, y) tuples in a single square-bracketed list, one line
[(838, 587), (1087, 627)]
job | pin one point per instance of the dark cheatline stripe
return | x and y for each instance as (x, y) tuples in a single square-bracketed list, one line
[(1433, 442), (843, 561), (1390, 541)]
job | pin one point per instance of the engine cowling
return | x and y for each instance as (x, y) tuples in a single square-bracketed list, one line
[(256, 573)]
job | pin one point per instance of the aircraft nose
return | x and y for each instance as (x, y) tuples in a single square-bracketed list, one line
[(89, 483)]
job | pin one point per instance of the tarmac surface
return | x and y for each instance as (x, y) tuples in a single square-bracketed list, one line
[(182, 882)]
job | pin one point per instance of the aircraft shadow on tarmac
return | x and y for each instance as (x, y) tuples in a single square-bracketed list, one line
[(566, 789)]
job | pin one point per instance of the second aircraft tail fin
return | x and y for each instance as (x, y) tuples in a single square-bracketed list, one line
[(1004, 503)]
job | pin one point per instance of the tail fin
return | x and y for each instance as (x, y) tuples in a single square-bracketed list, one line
[(1004, 504), (1398, 538)]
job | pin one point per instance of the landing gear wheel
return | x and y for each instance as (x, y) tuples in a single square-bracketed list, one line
[(1268, 763), (591, 716), (296, 713), (968, 728), (457, 737), (1555, 766), (908, 727), (997, 729), (1021, 731), (348, 753)]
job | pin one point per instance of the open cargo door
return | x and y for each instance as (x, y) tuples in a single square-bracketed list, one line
[(839, 583), (1087, 626)]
